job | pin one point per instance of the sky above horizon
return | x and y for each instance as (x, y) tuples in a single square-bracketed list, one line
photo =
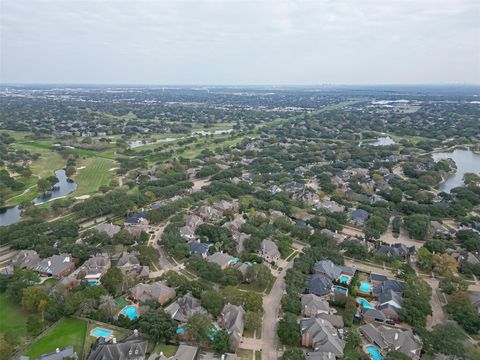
[(240, 42)]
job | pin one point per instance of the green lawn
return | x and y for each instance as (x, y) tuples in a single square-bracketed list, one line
[(168, 350), (95, 174), (13, 318), (66, 332), (245, 354)]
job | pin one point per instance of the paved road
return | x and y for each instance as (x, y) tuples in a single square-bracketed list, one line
[(271, 306)]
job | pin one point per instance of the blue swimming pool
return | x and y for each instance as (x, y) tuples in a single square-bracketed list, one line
[(130, 312), (99, 332), (345, 279), (340, 290), (374, 352), (365, 286), (364, 303), (181, 330)]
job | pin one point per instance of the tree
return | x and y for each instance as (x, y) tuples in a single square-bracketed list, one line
[(107, 306), (158, 325), (443, 264), (417, 226), (113, 280), (463, 312), (70, 170), (451, 284), (213, 301), (375, 227), (253, 321), (221, 342), (293, 354), (34, 325), (198, 326), (5, 349), (446, 338), (424, 259), (259, 276), (43, 185), (288, 330)]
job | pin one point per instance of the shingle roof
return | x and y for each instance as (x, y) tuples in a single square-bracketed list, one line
[(319, 285), (132, 347), (324, 336)]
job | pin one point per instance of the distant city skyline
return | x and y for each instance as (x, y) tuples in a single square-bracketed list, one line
[(235, 43)]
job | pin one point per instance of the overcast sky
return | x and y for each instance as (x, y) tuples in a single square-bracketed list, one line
[(240, 42)]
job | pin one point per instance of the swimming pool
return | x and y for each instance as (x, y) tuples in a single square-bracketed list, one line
[(181, 330), (340, 290), (99, 332), (345, 279), (365, 286), (374, 352), (364, 303), (130, 311)]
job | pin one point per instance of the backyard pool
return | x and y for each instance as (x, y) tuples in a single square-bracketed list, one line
[(364, 303), (374, 352), (365, 286), (345, 279), (181, 330), (341, 290), (130, 311), (99, 332)]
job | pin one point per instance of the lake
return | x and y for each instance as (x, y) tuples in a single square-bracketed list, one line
[(467, 162), (137, 143), (63, 187)]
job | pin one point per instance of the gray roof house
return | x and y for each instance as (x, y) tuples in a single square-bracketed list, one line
[(322, 336), (130, 265), (185, 307), (220, 258), (95, 267), (26, 259), (358, 217), (109, 229), (187, 232), (56, 265), (193, 221), (185, 352), (313, 305), (388, 338), (198, 249), (331, 270), (269, 251), (132, 347), (232, 319), (319, 285), (59, 354)]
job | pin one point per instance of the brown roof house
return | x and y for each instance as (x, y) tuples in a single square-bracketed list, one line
[(95, 267), (222, 259), (130, 265), (157, 291), (389, 339), (232, 319)]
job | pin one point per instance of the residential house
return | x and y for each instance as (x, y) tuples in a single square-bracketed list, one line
[(185, 307), (196, 248), (372, 315), (358, 217), (95, 267), (132, 347), (312, 305), (187, 233), (137, 219), (269, 251), (240, 238), (209, 213), (330, 206), (156, 291), (222, 259), (331, 270), (235, 224), (438, 228), (26, 259), (193, 221), (322, 336), (231, 318), (390, 304), (56, 266), (335, 320), (395, 251), (333, 235), (130, 266), (60, 354), (389, 338), (223, 205), (320, 285), (109, 229)]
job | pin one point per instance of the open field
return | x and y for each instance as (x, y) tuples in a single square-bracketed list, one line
[(66, 332), (95, 174), (168, 350), (13, 318)]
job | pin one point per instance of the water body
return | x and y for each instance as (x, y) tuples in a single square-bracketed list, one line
[(137, 143), (467, 162), (63, 187)]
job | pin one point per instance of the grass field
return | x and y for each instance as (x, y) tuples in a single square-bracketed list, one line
[(13, 318), (245, 354), (95, 174), (168, 350), (66, 332)]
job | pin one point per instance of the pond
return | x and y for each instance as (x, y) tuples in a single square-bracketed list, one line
[(63, 187), (137, 143), (467, 162)]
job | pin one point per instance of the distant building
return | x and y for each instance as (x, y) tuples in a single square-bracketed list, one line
[(26, 259)]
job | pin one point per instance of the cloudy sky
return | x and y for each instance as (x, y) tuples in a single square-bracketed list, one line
[(240, 42)]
